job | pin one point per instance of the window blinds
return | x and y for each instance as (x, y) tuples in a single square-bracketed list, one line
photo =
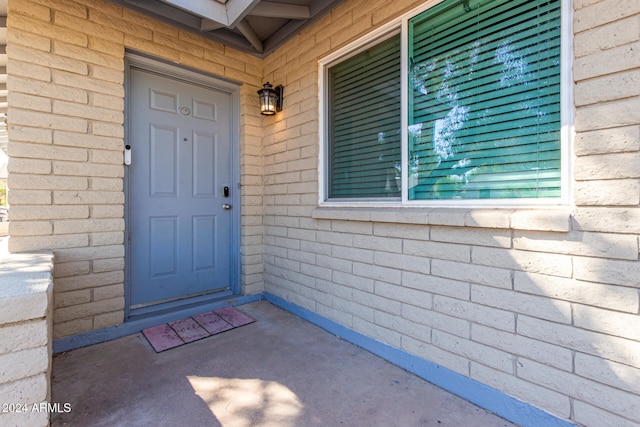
[(484, 112), (364, 123)]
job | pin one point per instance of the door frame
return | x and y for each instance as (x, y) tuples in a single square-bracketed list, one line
[(143, 62)]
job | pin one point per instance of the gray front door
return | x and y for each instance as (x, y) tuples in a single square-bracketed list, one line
[(179, 191)]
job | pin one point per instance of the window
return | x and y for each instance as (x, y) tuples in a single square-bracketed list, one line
[(484, 109), (480, 108), (364, 123)]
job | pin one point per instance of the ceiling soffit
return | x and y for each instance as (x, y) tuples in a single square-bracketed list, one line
[(254, 26)]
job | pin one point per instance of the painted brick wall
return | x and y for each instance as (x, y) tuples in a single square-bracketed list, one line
[(66, 72), (540, 305), (25, 338)]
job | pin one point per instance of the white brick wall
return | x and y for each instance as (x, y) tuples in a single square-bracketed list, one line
[(548, 316)]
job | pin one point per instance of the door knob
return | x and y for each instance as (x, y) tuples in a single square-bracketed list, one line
[(226, 206)]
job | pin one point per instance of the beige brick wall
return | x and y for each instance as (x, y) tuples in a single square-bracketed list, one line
[(538, 306), (25, 338), (66, 75)]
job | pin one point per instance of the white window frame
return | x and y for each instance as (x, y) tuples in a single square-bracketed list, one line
[(401, 25)]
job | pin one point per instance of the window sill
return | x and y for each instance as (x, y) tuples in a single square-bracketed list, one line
[(557, 220)]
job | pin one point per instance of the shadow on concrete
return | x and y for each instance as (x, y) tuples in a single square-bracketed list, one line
[(278, 371)]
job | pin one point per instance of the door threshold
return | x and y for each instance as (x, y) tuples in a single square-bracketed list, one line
[(178, 305)]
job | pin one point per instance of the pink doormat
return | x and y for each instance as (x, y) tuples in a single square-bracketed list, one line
[(183, 331)]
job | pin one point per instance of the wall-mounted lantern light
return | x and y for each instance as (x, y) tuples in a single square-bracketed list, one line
[(270, 99)]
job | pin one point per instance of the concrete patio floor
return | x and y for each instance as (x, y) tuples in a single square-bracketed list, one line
[(279, 371)]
